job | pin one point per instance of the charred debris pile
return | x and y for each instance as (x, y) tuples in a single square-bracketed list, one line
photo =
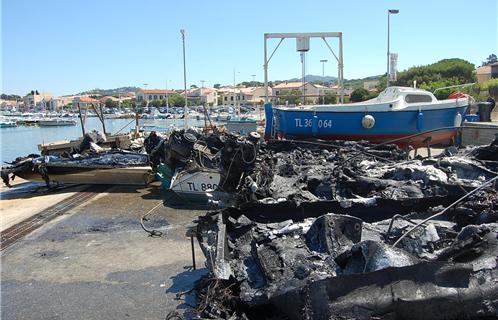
[(339, 230), (333, 176)]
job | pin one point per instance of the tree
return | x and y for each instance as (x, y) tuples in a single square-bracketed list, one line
[(292, 97), (155, 104), (10, 97), (177, 100), (490, 59), (217, 85), (193, 86), (446, 72), (329, 98), (109, 103), (359, 95)]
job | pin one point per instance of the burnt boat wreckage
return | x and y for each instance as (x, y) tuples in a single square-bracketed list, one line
[(344, 230), (202, 168), (85, 163)]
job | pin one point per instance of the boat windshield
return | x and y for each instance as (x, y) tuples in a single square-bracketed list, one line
[(415, 98)]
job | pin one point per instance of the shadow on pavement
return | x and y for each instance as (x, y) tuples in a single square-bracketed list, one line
[(183, 285)]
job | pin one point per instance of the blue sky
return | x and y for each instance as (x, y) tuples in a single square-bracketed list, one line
[(68, 46)]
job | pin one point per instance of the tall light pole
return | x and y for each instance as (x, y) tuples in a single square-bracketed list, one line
[(202, 87), (234, 96), (182, 31), (254, 99), (167, 97), (323, 77), (389, 12), (145, 95)]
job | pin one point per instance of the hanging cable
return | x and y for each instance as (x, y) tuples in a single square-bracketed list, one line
[(446, 209)]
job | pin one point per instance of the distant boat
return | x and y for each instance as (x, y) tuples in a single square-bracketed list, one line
[(241, 126), (7, 123), (396, 113), (56, 122)]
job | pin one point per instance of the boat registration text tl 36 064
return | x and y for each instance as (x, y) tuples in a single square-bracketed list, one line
[(308, 123)]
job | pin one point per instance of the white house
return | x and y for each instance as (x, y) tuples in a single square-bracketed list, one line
[(311, 91), (153, 94), (35, 100), (244, 96), (204, 96)]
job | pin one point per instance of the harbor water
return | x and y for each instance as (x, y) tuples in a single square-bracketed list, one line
[(23, 140)]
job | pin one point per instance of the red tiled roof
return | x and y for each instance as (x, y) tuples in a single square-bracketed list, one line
[(87, 99), (157, 91), (288, 85)]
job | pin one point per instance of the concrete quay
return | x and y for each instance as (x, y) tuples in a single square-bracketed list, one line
[(93, 260)]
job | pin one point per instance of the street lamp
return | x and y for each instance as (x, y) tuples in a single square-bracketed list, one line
[(182, 31), (389, 12), (323, 77), (234, 96), (167, 97)]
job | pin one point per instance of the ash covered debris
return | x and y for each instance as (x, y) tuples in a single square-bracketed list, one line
[(337, 266), (281, 256), (347, 175), (350, 172)]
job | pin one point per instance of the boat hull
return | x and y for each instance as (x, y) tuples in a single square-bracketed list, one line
[(116, 176), (349, 125), (50, 123), (8, 125)]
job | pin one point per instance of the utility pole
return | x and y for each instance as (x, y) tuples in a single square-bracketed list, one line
[(303, 63), (204, 108), (323, 77), (167, 98), (393, 11), (202, 87), (182, 31), (234, 96)]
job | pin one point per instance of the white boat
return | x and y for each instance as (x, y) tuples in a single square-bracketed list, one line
[(56, 122)]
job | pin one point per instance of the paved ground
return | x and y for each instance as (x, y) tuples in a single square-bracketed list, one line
[(95, 262), (24, 200)]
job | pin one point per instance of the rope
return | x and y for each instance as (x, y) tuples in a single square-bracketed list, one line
[(446, 209), (126, 125), (153, 233)]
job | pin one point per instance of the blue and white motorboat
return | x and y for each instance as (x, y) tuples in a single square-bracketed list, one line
[(396, 113)]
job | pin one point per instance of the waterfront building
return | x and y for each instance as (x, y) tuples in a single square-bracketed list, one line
[(285, 88), (244, 96), (11, 105), (203, 96), (84, 101), (36, 101), (153, 94), (486, 73)]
